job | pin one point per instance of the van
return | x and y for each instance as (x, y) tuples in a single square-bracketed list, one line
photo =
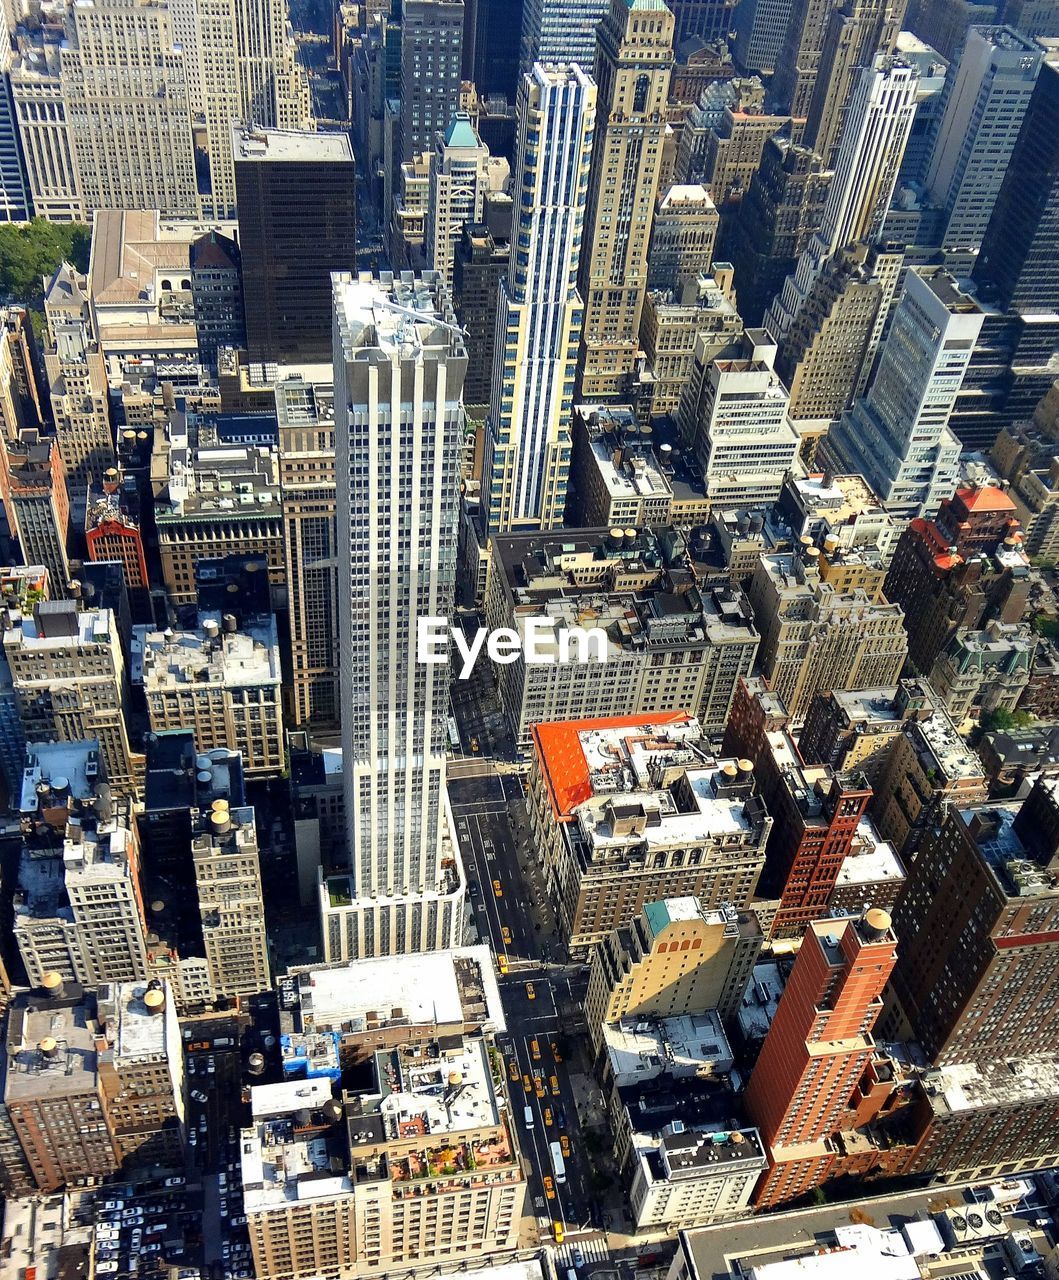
[(528, 1114)]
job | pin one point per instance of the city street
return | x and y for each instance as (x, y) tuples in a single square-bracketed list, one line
[(546, 1046)]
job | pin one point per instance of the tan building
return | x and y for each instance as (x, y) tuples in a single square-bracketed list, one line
[(20, 405), (734, 149), (855, 729), (228, 879), (408, 225), (670, 325), (77, 382), (141, 1072), (673, 959), (69, 683), (222, 680), (813, 638), (213, 500), (627, 810), (635, 56), (51, 1090), (44, 128), (306, 415), (418, 1167), (620, 482), (682, 237), (928, 767)]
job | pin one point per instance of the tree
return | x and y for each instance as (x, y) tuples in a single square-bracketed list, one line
[(1003, 719), (34, 250)]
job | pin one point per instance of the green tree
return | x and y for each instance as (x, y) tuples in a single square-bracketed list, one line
[(1001, 718), (30, 252)]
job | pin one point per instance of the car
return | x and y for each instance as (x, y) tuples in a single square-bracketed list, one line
[(104, 1268), (475, 745), (527, 1084), (549, 1187), (473, 888), (554, 1082), (193, 1137), (501, 963), (555, 1052), (498, 889), (548, 1116), (538, 1086), (530, 993), (211, 1065), (564, 1144), (558, 1232), (513, 1071), (239, 1220), (136, 1239), (152, 1248), (202, 1124), (199, 1096), (114, 1204), (505, 933), (224, 1207), (222, 1180)]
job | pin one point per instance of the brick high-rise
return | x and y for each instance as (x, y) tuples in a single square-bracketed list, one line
[(817, 1049)]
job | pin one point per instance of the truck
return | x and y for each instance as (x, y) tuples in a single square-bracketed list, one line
[(558, 1163)]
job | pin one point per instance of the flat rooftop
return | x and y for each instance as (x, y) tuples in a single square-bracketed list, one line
[(292, 1151), (394, 315), (133, 1031), (166, 661), (761, 999), (414, 990), (643, 1048), (966, 1086), (51, 1049), (291, 145), (872, 859), (949, 754)]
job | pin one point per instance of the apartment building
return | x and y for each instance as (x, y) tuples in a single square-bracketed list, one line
[(814, 637), (683, 235), (619, 481), (416, 1165), (68, 677), (983, 671), (39, 504), (78, 909), (631, 809), (140, 1061), (672, 320), (222, 680), (855, 729)]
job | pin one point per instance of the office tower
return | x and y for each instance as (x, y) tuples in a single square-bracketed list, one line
[(732, 152), (880, 115), (44, 129), (897, 437), (69, 682), (303, 1224), (220, 678), (561, 31), (705, 121), (829, 343), (709, 845), (979, 951), (431, 53), (15, 203), (81, 912), (944, 24), (408, 228), (244, 59), (297, 224), (391, 335), (710, 20), (479, 262), (733, 416), (1033, 18), (38, 504), (959, 571), (217, 294), (708, 635), (305, 414), (778, 216), (126, 88), (817, 812), (642, 970), (112, 528), (141, 1072), (193, 467), (817, 1048), (760, 27), (77, 383), (930, 107), (52, 1096), (635, 57), (815, 638), (1021, 239), (540, 311), (457, 191), (986, 97), (683, 235), (812, 65), (224, 853), (491, 35), (671, 325)]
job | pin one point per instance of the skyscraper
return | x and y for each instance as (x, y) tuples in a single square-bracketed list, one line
[(986, 97), (15, 203), (457, 191), (635, 57), (561, 31), (39, 505), (431, 53), (399, 370), (897, 436), (817, 1048), (540, 314), (297, 224)]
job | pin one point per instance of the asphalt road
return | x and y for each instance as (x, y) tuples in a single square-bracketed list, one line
[(508, 905)]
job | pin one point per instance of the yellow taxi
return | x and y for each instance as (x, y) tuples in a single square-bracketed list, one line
[(554, 1082), (564, 1144), (548, 1117), (549, 1187), (535, 1049), (557, 1231), (513, 1071), (527, 1084), (501, 963), (498, 888), (506, 934), (530, 993), (538, 1084)]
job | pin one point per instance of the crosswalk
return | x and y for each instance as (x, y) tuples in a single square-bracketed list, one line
[(592, 1249)]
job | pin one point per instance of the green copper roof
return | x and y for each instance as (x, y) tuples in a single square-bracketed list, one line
[(461, 132), (657, 916)]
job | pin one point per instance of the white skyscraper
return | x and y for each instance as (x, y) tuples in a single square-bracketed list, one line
[(400, 363), (458, 181), (540, 312), (986, 96), (897, 437), (881, 112)]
